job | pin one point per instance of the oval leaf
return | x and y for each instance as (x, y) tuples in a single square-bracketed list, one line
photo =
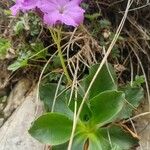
[(52, 128), (79, 141), (60, 147), (106, 80), (106, 106), (98, 143), (47, 94), (133, 96), (85, 114), (119, 138)]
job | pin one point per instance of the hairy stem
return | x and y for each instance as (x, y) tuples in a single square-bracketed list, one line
[(56, 35)]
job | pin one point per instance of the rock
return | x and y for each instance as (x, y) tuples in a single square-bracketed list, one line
[(14, 133), (143, 128), (17, 96), (1, 106), (1, 121)]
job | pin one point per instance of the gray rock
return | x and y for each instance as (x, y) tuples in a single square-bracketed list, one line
[(17, 96), (14, 133), (143, 127), (1, 121)]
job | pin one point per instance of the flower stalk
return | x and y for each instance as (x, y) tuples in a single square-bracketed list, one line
[(56, 35)]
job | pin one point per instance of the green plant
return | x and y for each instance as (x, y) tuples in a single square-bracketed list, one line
[(22, 61), (93, 16), (138, 81), (5, 44), (57, 37), (34, 50), (29, 23), (98, 127)]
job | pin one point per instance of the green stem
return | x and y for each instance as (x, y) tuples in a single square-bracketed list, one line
[(56, 35)]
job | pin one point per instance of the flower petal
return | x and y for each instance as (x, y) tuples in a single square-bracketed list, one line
[(66, 19), (75, 12), (25, 5), (52, 18), (48, 7), (57, 2), (66, 11), (77, 1), (70, 7), (15, 9), (30, 4)]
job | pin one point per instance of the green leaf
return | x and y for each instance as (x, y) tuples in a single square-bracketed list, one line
[(97, 143), (105, 23), (106, 80), (115, 53), (53, 77), (47, 94), (133, 97), (7, 12), (111, 138), (92, 17), (4, 46), (56, 62), (18, 64), (79, 141), (138, 81), (89, 137), (22, 61), (86, 113), (52, 128), (38, 48), (60, 147), (19, 27), (106, 106), (118, 138)]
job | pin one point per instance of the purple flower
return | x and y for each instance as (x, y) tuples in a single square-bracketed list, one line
[(55, 11), (63, 11), (25, 5)]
